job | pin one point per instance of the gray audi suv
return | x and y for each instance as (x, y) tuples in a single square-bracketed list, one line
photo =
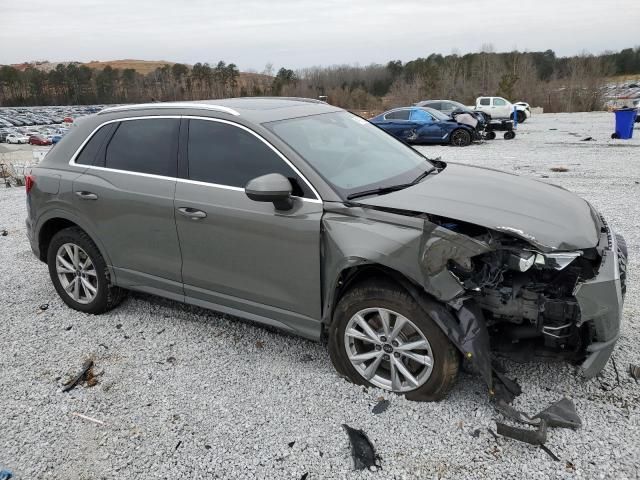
[(299, 215)]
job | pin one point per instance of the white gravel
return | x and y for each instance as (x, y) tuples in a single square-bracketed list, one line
[(186, 393)]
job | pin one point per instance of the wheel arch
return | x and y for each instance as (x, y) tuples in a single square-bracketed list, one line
[(353, 275), (57, 220)]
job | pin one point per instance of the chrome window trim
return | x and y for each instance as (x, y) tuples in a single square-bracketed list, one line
[(145, 106), (72, 161)]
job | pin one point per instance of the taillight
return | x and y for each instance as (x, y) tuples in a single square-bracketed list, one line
[(29, 181)]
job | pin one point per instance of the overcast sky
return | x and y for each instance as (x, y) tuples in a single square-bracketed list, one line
[(299, 33)]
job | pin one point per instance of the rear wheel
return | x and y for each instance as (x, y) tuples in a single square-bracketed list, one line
[(381, 337), (460, 138), (79, 273)]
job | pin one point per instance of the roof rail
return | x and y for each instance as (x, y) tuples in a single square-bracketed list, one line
[(146, 106), (298, 99)]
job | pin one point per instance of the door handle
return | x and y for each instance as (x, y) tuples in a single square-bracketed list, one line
[(193, 213), (86, 195)]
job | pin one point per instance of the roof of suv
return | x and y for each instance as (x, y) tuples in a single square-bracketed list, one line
[(253, 109)]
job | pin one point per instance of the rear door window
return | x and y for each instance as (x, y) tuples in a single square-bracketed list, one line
[(224, 154), (145, 146), (485, 101)]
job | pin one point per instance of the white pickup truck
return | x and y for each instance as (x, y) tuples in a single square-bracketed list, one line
[(499, 108)]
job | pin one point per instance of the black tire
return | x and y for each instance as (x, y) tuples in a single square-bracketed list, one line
[(510, 135), (490, 136), (107, 295), (522, 117), (460, 138), (614, 136), (380, 294)]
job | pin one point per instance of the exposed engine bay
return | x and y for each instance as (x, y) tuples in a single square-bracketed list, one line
[(527, 296)]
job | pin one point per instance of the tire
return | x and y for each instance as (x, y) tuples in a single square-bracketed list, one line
[(510, 135), (366, 300), (490, 136), (460, 138), (522, 117), (59, 257)]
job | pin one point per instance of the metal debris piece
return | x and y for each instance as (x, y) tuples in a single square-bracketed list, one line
[(80, 377), (559, 169), (44, 306), (550, 453), (259, 344), (561, 414), (380, 407), (364, 456), (533, 437), (634, 371)]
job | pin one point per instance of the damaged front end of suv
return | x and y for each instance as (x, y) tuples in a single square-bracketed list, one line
[(491, 285)]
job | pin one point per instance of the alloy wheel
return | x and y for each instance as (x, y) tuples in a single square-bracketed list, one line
[(77, 273), (388, 350)]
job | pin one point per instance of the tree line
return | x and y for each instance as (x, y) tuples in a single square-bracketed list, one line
[(543, 79)]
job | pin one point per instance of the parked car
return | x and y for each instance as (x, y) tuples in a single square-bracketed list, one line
[(445, 106), (302, 216), (500, 108), (16, 138), (56, 138), (39, 140), (420, 125)]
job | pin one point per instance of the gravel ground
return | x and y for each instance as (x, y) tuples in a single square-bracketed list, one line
[(187, 393)]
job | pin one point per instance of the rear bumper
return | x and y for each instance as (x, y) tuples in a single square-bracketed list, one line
[(601, 301)]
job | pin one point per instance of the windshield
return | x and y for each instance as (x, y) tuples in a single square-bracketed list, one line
[(351, 154)]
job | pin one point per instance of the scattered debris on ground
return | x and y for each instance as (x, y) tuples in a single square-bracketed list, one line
[(90, 419), (362, 451), (561, 414), (3, 233), (85, 375), (588, 139), (381, 406), (44, 306), (559, 169), (259, 344), (634, 371)]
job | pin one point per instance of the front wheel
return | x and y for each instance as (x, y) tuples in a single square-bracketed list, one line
[(510, 135), (460, 138), (381, 337)]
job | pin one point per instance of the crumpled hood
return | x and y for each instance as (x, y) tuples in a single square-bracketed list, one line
[(548, 216)]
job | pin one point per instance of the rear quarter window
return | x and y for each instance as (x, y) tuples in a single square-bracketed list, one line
[(89, 153)]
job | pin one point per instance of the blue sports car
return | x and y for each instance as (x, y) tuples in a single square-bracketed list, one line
[(424, 125)]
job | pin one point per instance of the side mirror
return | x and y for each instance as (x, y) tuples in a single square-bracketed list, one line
[(274, 187)]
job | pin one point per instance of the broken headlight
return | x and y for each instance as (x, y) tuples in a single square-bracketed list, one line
[(556, 261), (521, 261)]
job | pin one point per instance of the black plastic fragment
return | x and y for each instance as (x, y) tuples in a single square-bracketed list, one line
[(561, 414), (510, 412), (291, 444), (504, 388), (304, 476), (44, 306), (533, 437), (380, 407), (364, 456), (4, 233)]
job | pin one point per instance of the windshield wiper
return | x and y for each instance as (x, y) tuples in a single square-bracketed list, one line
[(391, 188)]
